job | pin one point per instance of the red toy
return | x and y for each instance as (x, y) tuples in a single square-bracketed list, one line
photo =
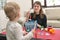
[(52, 31), (50, 27)]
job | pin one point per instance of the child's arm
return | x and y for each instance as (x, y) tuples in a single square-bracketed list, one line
[(19, 34)]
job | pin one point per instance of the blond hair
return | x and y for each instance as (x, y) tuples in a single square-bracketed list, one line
[(11, 10)]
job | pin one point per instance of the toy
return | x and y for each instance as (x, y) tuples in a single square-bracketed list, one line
[(30, 24), (52, 31), (50, 27)]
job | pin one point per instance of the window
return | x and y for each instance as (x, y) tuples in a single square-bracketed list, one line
[(49, 3), (52, 2), (2, 3)]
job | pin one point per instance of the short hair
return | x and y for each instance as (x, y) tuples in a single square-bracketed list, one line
[(11, 10)]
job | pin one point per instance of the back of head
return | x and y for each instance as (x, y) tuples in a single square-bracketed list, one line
[(11, 10)]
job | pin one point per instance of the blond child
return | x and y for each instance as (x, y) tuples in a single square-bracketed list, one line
[(14, 30)]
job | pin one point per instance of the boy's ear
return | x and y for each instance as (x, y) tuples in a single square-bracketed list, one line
[(19, 13)]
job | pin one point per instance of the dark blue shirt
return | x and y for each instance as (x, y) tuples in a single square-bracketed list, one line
[(40, 21)]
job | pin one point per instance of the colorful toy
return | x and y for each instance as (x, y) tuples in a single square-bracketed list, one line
[(30, 24), (49, 28), (52, 31)]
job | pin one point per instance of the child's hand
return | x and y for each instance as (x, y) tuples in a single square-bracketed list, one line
[(25, 32)]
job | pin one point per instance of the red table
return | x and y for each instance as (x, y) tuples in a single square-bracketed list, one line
[(38, 34)]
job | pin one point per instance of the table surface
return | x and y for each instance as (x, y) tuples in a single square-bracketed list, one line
[(45, 35), (42, 35)]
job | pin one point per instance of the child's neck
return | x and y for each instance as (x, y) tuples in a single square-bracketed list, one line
[(15, 20)]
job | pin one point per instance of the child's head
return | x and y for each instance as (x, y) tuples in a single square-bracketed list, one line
[(12, 10)]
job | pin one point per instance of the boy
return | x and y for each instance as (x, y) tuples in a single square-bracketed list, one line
[(13, 29)]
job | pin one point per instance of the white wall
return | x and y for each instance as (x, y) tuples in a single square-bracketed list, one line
[(24, 4), (3, 20)]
